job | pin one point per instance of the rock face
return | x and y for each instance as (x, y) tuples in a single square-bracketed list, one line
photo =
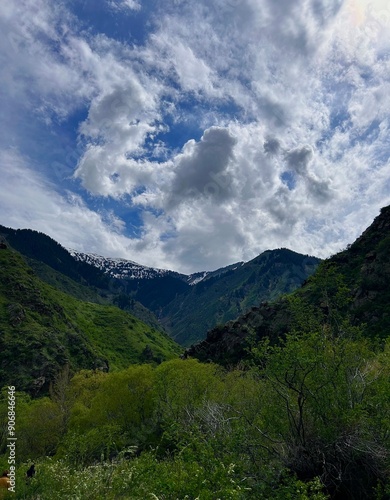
[(364, 270), (227, 344)]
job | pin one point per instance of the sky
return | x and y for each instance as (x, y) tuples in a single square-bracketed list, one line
[(191, 135)]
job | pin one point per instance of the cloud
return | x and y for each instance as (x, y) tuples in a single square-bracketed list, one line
[(298, 159), (272, 146), (235, 127), (202, 170), (40, 77), (124, 4), (28, 200)]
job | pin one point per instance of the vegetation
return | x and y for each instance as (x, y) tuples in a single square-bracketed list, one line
[(54, 265), (352, 285), (39, 246), (303, 418), (186, 312), (297, 407), (222, 298), (308, 419), (43, 330)]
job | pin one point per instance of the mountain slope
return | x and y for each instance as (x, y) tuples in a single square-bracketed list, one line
[(353, 284), (39, 246), (188, 306), (221, 298), (55, 265), (43, 329)]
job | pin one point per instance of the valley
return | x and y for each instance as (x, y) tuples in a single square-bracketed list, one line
[(279, 383)]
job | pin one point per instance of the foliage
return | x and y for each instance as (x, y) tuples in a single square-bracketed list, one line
[(42, 330), (323, 388), (307, 419)]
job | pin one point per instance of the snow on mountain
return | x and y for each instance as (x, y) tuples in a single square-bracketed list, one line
[(195, 278), (128, 269), (120, 268)]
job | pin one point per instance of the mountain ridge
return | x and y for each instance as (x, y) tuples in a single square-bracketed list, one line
[(359, 274), (120, 268), (43, 329), (218, 299), (56, 266), (186, 306)]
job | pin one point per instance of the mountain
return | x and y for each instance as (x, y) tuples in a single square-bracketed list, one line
[(43, 330), (129, 270), (122, 268), (189, 305), (42, 248), (57, 267), (186, 306), (223, 297), (353, 286)]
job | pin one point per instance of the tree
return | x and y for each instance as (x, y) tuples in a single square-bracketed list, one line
[(318, 419)]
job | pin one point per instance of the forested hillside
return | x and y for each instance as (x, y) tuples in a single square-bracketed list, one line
[(43, 330), (353, 285), (53, 264), (185, 312), (219, 299)]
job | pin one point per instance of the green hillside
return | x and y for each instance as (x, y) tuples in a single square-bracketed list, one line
[(42, 248), (112, 295), (53, 264), (300, 409), (222, 298), (43, 329), (352, 285), (185, 312)]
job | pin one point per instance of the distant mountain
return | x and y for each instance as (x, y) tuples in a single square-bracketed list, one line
[(43, 330), (353, 284), (189, 305), (224, 296), (122, 268), (186, 306), (129, 270)]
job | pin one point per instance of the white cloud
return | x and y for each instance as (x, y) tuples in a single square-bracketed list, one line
[(28, 200), (124, 4), (37, 77), (291, 101)]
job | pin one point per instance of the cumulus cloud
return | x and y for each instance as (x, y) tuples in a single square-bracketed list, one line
[(202, 170), (284, 108), (28, 200)]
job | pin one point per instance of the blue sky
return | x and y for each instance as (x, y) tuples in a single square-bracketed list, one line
[(190, 135)]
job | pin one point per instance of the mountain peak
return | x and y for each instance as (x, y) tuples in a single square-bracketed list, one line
[(120, 268)]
